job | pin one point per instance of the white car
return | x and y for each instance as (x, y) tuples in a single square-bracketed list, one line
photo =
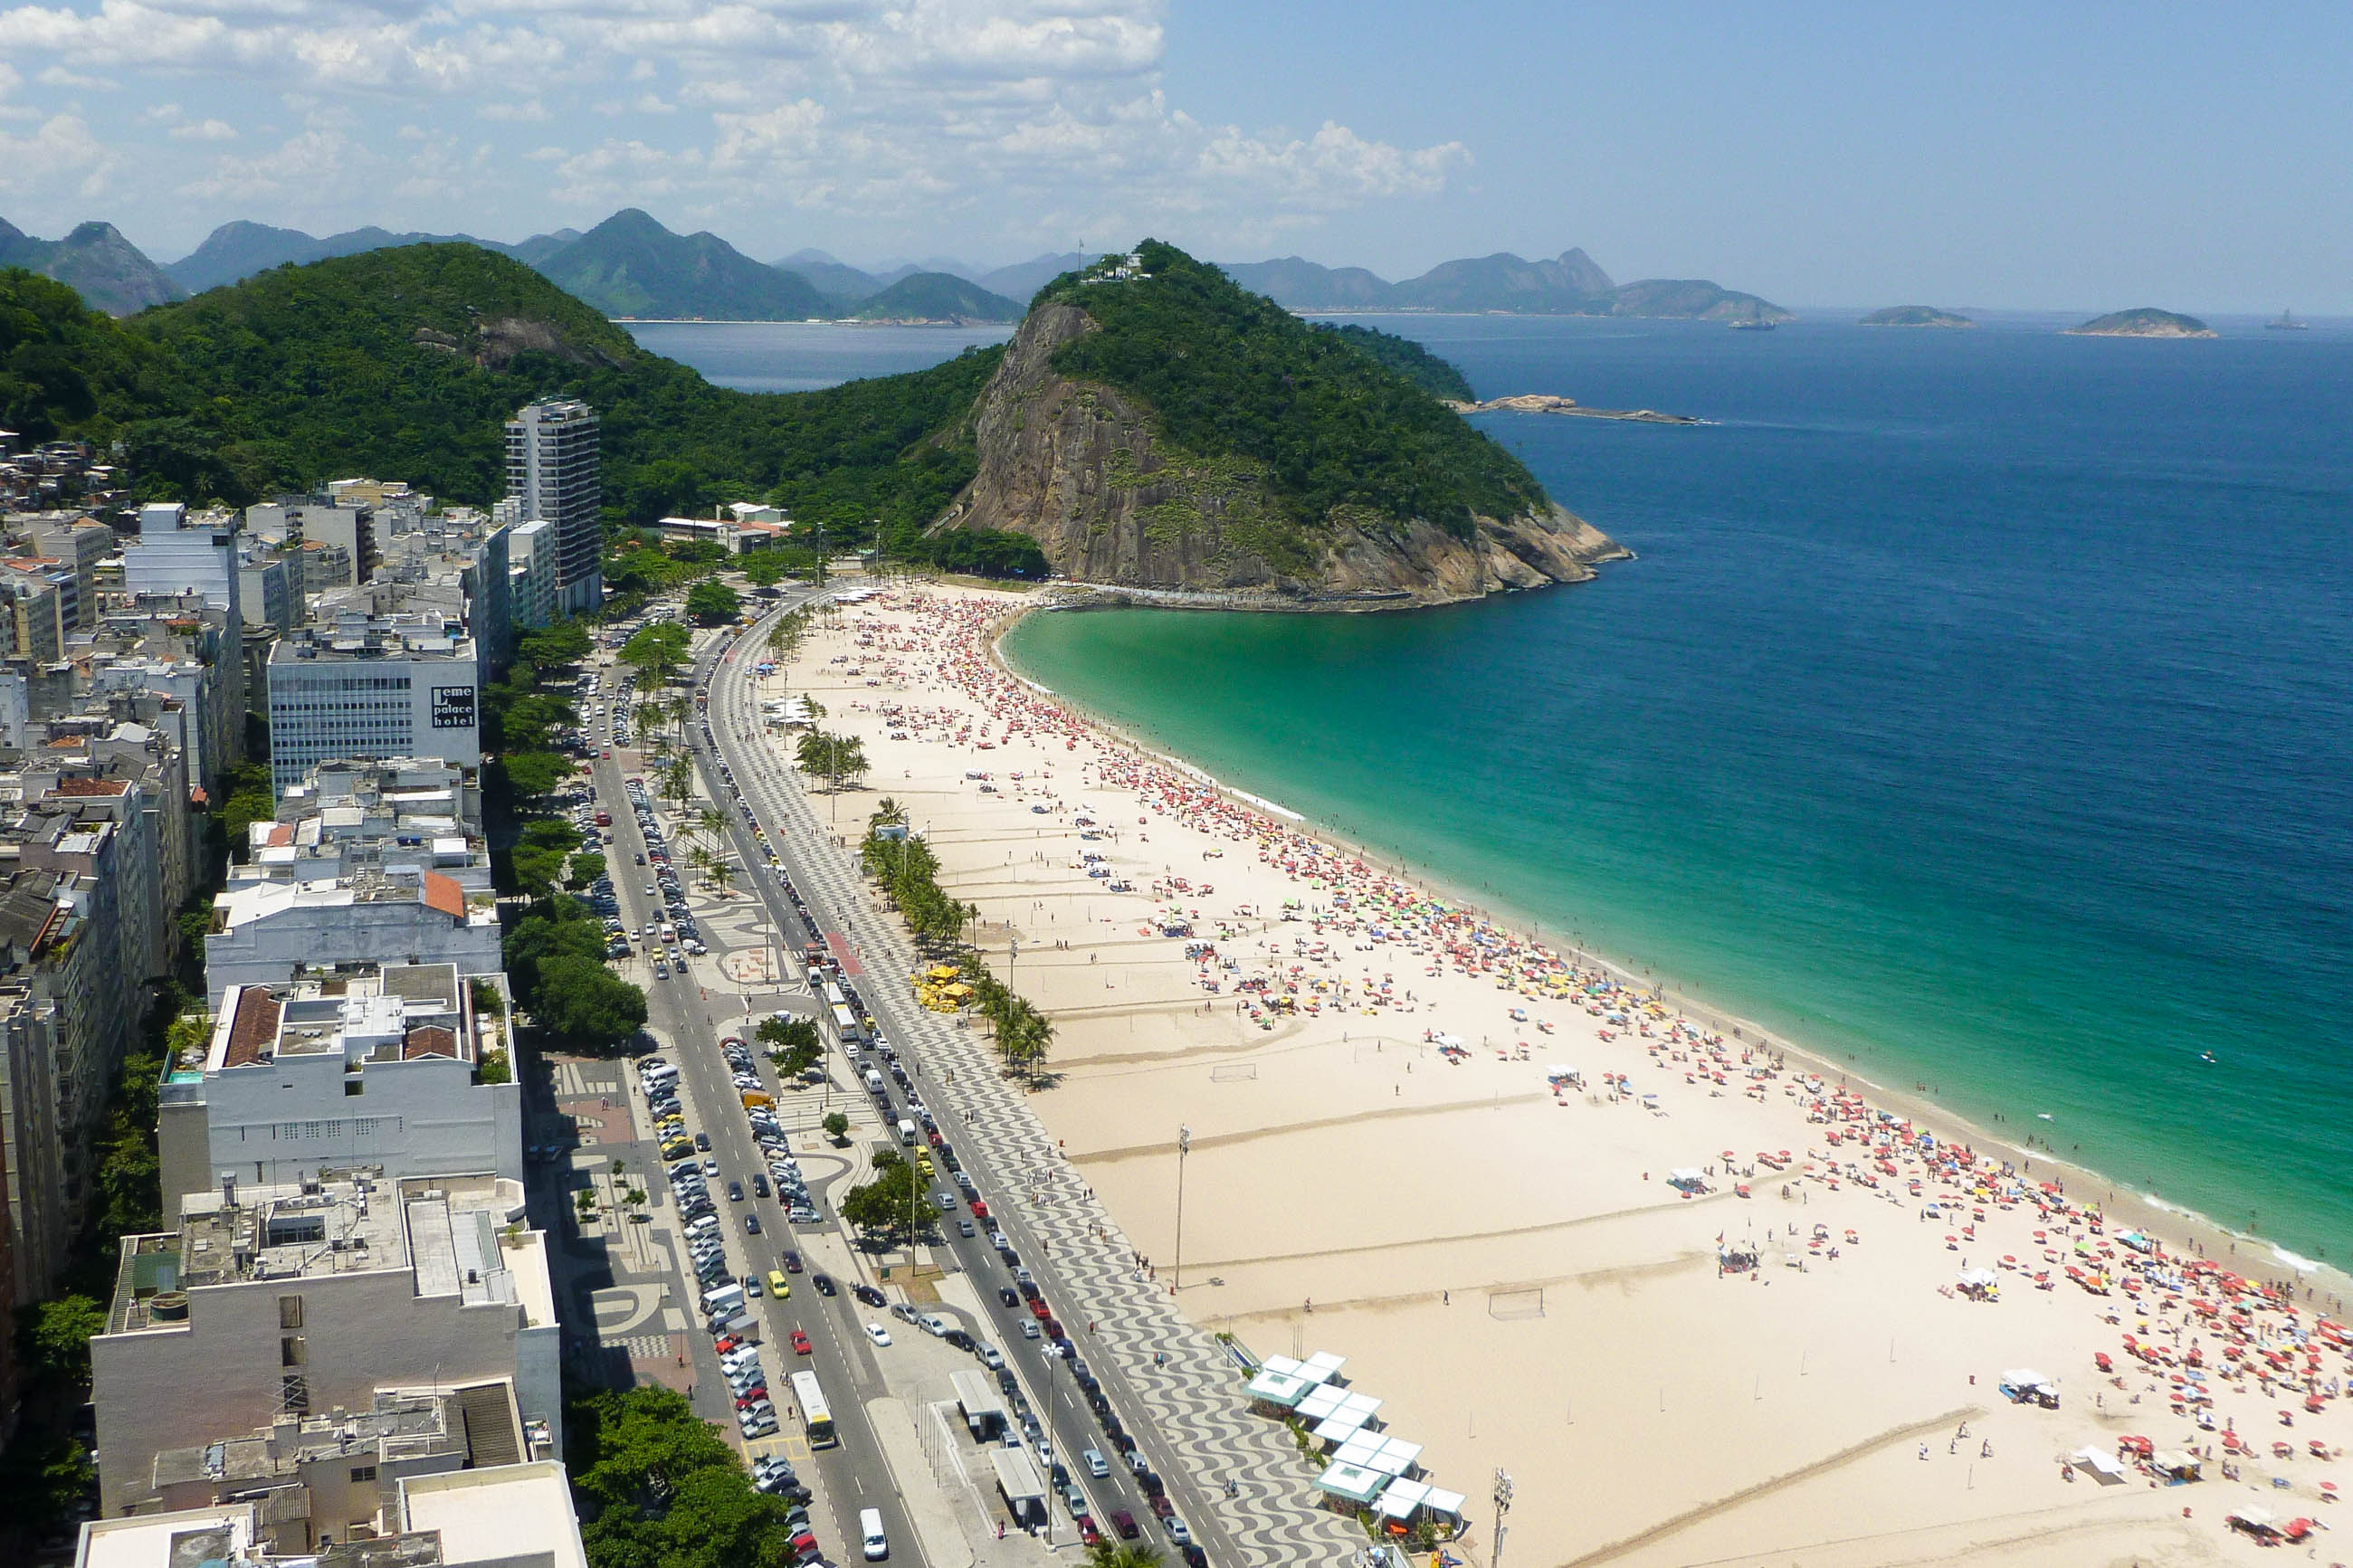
[(878, 1334)]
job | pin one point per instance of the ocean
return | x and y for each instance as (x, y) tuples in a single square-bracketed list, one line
[(1978, 711)]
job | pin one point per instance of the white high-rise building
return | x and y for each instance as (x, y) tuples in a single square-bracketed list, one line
[(404, 685), (555, 471)]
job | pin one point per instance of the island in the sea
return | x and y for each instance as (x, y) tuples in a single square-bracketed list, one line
[(2145, 323), (1551, 403), (1916, 316)]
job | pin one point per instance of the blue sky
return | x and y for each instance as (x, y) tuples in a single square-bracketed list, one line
[(2086, 157)]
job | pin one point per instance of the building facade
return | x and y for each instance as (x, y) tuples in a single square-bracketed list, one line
[(404, 685), (554, 471)]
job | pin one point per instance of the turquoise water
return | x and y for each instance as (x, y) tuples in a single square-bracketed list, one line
[(1978, 711)]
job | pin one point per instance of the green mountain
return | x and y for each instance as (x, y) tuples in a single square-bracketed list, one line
[(235, 251), (1916, 316), (1301, 285), (409, 361), (1570, 284), (938, 297), (837, 279), (1403, 356), (107, 270), (1505, 282), (2145, 322), (630, 265), (1159, 427)]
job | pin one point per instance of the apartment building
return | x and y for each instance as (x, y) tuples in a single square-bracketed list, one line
[(407, 684), (555, 474), (276, 1302), (380, 1068), (507, 1516)]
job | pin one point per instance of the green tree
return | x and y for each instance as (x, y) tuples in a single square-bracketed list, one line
[(1110, 1553), (793, 1042), (584, 868), (764, 569), (586, 1005), (558, 643), (712, 602), (530, 773), (835, 1125), (54, 1340), (888, 1206), (496, 1067), (655, 652)]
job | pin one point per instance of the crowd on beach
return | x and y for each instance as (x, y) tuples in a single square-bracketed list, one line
[(2198, 1341)]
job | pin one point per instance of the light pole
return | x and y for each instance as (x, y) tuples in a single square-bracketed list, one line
[(1502, 1499), (1184, 1147)]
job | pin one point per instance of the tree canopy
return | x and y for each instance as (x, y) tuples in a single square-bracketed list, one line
[(1334, 424)]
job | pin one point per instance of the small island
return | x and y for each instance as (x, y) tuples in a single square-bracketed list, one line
[(1916, 316), (2145, 323)]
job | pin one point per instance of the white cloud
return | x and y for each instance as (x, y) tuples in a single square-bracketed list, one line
[(58, 76), (1008, 119)]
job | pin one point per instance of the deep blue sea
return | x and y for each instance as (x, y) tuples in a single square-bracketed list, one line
[(1980, 711)]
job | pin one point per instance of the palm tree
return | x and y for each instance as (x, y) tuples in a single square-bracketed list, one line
[(1110, 1553), (887, 813), (713, 822)]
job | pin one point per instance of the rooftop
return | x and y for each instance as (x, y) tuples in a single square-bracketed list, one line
[(397, 1011), (461, 1235)]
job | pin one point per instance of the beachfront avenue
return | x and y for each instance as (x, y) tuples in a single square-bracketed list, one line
[(1172, 1387)]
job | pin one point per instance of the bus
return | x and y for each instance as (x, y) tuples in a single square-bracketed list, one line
[(816, 1419)]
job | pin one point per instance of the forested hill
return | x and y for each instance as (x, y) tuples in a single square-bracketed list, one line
[(1334, 422), (1154, 424), (407, 362)]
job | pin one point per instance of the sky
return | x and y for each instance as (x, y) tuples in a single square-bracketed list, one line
[(2083, 156)]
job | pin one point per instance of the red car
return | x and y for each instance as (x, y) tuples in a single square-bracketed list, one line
[(725, 1342), (1088, 1534), (1038, 1309), (801, 1342), (751, 1396), (979, 1209), (1162, 1506)]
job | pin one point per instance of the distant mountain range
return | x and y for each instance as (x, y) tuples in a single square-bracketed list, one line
[(1568, 285), (111, 272), (631, 266)]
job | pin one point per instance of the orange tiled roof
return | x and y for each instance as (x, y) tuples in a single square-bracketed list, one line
[(443, 893)]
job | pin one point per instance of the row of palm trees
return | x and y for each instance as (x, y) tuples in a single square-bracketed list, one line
[(909, 873)]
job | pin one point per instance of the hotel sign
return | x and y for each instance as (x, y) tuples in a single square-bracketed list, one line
[(453, 706)]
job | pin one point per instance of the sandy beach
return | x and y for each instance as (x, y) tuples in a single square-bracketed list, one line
[(1433, 1146)]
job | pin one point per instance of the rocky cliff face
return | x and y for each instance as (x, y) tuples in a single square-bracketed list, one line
[(1081, 468)]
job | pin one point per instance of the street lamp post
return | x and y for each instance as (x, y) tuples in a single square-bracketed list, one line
[(1184, 1147), (1502, 1499)]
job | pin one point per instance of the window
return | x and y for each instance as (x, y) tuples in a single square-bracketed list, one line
[(294, 1394), (363, 1473), (292, 1351), (289, 1311)]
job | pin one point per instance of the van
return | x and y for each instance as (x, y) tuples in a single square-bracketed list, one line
[(719, 1297), (873, 1081), (870, 1530), (907, 1133)]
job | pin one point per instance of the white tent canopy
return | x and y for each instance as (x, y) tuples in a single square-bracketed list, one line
[(2104, 1464)]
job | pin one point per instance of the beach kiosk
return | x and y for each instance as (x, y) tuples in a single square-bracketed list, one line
[(2023, 1385), (2175, 1468), (1019, 1483), (983, 1411), (1688, 1180), (1981, 1284)]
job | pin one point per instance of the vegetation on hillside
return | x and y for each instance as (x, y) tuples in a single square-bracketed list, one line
[(409, 361), (938, 295), (1232, 375), (1409, 359)]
